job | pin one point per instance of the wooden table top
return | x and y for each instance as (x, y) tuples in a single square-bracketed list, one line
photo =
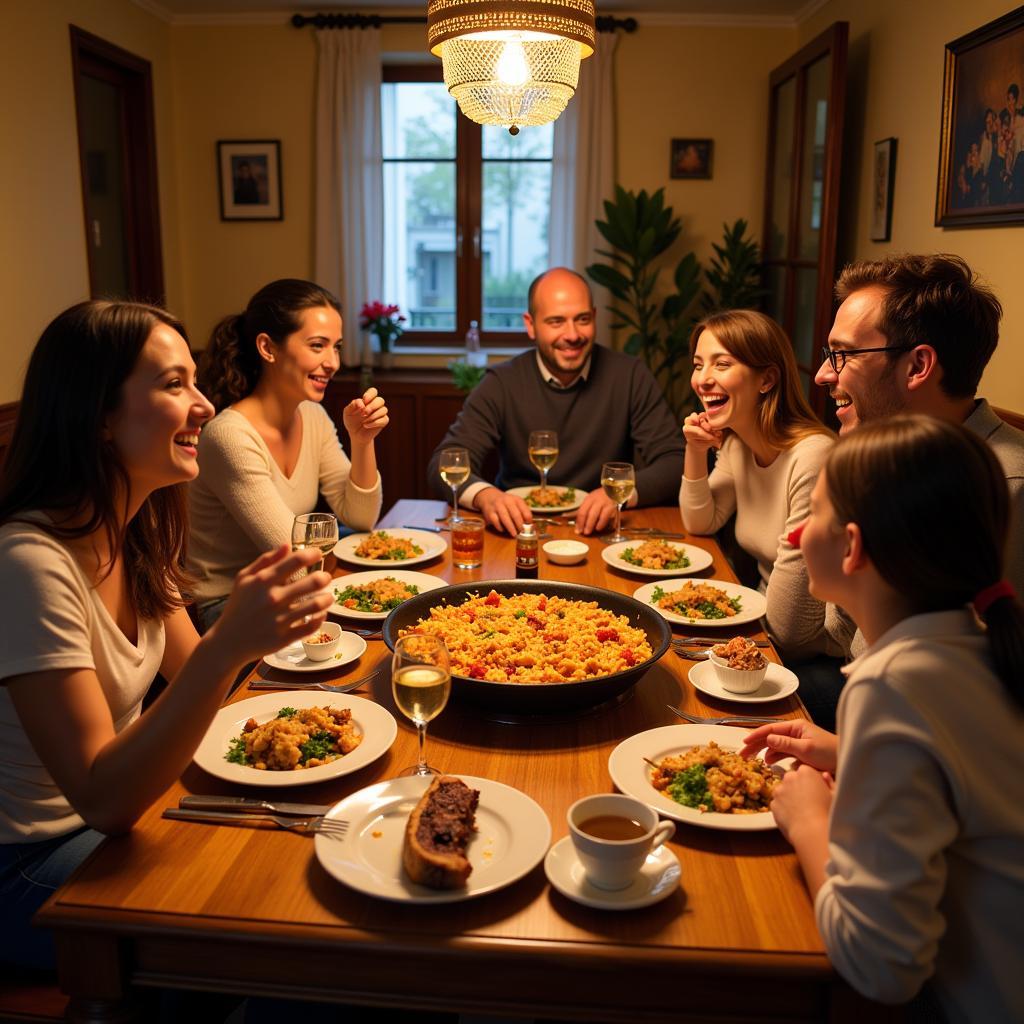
[(243, 909)]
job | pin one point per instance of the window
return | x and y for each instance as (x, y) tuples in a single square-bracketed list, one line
[(466, 212)]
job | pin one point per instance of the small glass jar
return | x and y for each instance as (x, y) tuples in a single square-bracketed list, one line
[(527, 556)]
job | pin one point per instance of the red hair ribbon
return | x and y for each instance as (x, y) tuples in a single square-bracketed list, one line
[(985, 598), (793, 537)]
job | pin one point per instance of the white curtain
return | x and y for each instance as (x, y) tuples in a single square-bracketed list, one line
[(583, 171), (349, 208)]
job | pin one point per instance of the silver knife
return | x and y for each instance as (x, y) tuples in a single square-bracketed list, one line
[(250, 804)]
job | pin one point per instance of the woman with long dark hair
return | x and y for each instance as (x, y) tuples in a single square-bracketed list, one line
[(272, 450), (92, 528), (770, 448), (910, 826)]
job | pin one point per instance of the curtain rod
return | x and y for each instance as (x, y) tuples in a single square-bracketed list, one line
[(604, 23)]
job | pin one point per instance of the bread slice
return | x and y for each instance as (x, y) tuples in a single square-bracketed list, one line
[(438, 832)]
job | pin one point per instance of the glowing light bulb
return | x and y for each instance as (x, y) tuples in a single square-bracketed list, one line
[(512, 68)]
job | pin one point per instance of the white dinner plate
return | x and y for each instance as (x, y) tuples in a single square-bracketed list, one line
[(377, 725), (540, 510), (422, 580), (433, 544), (752, 602), (778, 682), (699, 558), (632, 774), (658, 878), (293, 658), (512, 837)]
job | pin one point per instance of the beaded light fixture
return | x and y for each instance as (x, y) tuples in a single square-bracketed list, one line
[(511, 62)]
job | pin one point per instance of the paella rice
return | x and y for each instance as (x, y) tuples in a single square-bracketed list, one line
[(709, 778), (532, 638), (552, 497), (387, 547), (296, 739), (697, 601)]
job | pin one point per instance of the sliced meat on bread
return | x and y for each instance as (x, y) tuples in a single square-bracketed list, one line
[(438, 832)]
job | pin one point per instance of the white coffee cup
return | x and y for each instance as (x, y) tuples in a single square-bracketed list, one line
[(619, 833)]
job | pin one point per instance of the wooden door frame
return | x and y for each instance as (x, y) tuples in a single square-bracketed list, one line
[(92, 55)]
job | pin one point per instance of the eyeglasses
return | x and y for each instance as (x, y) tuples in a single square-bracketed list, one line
[(837, 356)]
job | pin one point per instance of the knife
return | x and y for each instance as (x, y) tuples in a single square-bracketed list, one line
[(252, 805)]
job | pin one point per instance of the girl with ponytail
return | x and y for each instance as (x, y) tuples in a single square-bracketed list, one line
[(272, 451), (909, 826)]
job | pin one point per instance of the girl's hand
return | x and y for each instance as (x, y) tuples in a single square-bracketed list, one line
[(700, 434), (365, 417), (794, 737), (801, 802), (268, 610)]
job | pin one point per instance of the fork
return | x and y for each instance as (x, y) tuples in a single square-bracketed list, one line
[(333, 827), (723, 719), (707, 641), (268, 684)]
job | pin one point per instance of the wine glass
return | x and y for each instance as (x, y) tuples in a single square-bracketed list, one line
[(618, 480), (315, 530), (420, 681), (543, 449), (454, 469)]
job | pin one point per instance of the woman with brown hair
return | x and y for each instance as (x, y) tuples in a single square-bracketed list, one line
[(769, 448), (910, 831), (92, 528)]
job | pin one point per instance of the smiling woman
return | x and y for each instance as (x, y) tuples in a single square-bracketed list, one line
[(272, 450)]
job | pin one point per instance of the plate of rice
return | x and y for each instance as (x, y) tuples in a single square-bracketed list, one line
[(390, 547), (554, 499), (374, 595), (703, 602), (656, 557)]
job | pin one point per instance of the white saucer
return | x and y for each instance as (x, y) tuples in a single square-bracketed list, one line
[(658, 878), (778, 682)]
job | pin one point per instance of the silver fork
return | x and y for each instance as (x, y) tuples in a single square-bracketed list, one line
[(723, 719), (269, 684), (333, 827)]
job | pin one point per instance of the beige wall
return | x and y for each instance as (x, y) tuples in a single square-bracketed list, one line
[(42, 242), (895, 89)]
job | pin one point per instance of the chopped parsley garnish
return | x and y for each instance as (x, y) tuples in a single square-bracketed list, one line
[(287, 713), (319, 745), (236, 751), (690, 787)]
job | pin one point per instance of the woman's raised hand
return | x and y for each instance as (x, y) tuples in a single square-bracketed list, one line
[(700, 434), (794, 737), (268, 609), (365, 417)]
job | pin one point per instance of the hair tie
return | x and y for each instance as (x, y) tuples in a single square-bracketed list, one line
[(986, 597), (793, 537)]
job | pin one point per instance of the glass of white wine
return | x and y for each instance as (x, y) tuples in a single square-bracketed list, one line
[(454, 469), (618, 480), (421, 680), (315, 530), (543, 449)]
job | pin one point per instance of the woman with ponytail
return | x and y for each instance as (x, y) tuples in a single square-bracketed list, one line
[(909, 826), (272, 451)]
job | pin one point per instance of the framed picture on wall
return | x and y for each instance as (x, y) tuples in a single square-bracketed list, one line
[(690, 158), (249, 178), (883, 178), (981, 165)]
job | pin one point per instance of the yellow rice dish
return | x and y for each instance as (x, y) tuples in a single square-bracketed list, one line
[(296, 739), (709, 778), (532, 638)]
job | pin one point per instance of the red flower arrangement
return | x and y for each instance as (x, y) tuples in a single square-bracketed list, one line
[(383, 321)]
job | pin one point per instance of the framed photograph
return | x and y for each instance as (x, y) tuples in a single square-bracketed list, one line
[(690, 158), (883, 180), (981, 166), (249, 175)]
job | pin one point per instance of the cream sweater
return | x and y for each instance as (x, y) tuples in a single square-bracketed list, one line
[(769, 502), (241, 504)]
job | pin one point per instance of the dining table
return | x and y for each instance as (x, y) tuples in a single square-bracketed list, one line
[(251, 910)]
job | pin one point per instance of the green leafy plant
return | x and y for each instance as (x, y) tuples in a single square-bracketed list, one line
[(735, 274), (464, 376)]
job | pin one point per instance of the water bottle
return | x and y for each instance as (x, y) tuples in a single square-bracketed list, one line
[(474, 357)]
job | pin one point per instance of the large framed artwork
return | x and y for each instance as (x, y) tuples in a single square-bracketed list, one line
[(249, 176), (981, 166)]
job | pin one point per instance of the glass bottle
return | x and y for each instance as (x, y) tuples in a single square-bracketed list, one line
[(526, 553)]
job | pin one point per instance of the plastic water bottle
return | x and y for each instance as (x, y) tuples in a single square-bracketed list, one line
[(474, 356)]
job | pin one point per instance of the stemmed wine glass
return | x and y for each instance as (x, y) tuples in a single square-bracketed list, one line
[(315, 530), (543, 449), (454, 469), (618, 480), (420, 681)]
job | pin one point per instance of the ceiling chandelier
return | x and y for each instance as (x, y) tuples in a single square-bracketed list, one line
[(511, 62)]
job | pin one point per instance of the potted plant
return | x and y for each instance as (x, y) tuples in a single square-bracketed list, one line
[(385, 323)]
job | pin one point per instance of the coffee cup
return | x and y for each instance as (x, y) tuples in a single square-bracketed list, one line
[(612, 835)]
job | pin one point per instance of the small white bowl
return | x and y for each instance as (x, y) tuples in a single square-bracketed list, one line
[(737, 680), (323, 651), (566, 552)]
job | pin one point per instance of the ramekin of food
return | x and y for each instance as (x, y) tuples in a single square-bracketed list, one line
[(323, 643), (739, 650), (565, 552)]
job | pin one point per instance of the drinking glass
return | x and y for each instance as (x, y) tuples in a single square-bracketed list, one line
[(543, 449), (315, 530), (618, 480), (420, 681), (454, 469)]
